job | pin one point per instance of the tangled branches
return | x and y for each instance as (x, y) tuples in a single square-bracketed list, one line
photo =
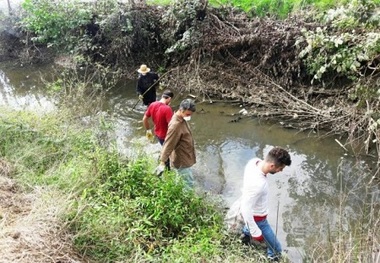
[(255, 62)]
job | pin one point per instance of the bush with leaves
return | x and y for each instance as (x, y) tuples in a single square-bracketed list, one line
[(53, 22), (343, 55), (182, 23), (348, 46), (129, 210)]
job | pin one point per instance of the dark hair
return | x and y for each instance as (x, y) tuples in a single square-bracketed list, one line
[(167, 94), (187, 104), (279, 156)]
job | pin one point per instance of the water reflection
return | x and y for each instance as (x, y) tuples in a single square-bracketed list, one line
[(20, 91), (323, 188)]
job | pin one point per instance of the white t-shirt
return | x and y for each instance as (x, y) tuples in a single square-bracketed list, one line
[(254, 201)]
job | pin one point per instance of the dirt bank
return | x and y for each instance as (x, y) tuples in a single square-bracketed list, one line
[(31, 229)]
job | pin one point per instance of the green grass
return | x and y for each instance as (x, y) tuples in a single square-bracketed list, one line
[(116, 209), (159, 2), (279, 8), (38, 145), (139, 211)]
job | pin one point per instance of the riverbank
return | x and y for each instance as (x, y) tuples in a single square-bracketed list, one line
[(217, 54), (68, 196), (31, 228), (289, 71), (222, 156)]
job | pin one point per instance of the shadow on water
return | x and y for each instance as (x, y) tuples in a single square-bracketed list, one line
[(323, 187)]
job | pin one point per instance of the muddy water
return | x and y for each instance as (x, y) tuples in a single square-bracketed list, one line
[(323, 187)]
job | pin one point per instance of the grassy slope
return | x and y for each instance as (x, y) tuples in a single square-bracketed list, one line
[(99, 206)]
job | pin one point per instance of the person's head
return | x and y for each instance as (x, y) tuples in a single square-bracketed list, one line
[(167, 96), (143, 69), (277, 159), (186, 109)]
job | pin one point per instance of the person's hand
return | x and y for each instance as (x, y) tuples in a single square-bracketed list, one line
[(160, 169), (259, 242), (141, 97), (149, 135)]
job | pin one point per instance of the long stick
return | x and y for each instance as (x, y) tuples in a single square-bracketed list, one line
[(278, 208), (9, 7), (341, 145), (151, 87)]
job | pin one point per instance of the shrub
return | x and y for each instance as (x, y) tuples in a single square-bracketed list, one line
[(346, 46), (130, 210), (52, 21)]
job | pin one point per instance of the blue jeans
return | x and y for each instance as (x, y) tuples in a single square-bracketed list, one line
[(274, 246), (187, 176)]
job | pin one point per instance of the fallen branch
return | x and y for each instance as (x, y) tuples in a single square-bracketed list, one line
[(341, 145)]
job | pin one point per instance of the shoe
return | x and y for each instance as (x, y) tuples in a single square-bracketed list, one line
[(245, 239), (273, 258)]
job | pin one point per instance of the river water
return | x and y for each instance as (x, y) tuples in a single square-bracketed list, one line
[(320, 192)]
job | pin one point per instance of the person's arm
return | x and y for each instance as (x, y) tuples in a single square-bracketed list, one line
[(171, 140), (147, 115), (145, 121)]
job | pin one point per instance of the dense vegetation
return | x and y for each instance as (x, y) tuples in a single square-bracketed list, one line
[(114, 209)]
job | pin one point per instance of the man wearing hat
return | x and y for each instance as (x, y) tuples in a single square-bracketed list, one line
[(161, 114), (146, 85)]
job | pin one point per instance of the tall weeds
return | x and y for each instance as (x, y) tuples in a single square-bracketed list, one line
[(349, 237), (113, 209), (142, 213)]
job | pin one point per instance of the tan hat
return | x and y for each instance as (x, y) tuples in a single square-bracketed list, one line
[(143, 69)]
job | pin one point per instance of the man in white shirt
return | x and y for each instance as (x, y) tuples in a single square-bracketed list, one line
[(251, 209)]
